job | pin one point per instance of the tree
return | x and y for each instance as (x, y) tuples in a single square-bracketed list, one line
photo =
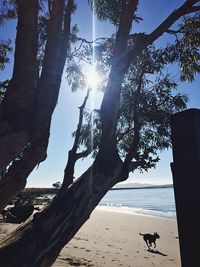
[(57, 185), (24, 144), (148, 97), (32, 93)]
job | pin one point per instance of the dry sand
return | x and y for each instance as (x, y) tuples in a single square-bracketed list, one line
[(110, 239)]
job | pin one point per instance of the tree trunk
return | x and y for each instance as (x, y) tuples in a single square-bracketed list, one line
[(38, 242), (17, 108), (60, 221), (110, 105), (34, 123), (15, 179)]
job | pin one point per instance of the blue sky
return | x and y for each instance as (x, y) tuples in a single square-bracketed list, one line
[(66, 113)]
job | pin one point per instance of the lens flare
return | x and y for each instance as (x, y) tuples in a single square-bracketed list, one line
[(92, 77)]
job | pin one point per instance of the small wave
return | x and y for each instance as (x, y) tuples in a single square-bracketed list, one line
[(112, 205), (138, 211)]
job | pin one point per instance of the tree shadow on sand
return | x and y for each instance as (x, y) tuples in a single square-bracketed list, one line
[(156, 252)]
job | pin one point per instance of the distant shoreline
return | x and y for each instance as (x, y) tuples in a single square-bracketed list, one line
[(143, 187), (38, 190)]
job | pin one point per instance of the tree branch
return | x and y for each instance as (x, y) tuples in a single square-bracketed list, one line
[(110, 104), (126, 19), (137, 126), (78, 131), (65, 44), (128, 131), (187, 8), (83, 40), (170, 31), (83, 154), (16, 109), (73, 156), (53, 63), (15, 178), (47, 92)]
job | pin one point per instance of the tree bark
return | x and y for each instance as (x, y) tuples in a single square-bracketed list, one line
[(15, 179), (132, 153), (73, 156), (50, 79), (37, 243), (44, 100), (17, 107), (110, 105)]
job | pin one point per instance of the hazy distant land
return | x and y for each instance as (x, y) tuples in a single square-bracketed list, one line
[(140, 186), (127, 186)]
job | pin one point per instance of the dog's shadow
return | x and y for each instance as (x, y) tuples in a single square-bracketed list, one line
[(156, 252)]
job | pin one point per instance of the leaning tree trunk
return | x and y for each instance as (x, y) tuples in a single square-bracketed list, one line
[(17, 174), (17, 108), (39, 241), (38, 119)]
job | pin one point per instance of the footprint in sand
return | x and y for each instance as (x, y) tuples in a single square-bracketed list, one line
[(77, 262)]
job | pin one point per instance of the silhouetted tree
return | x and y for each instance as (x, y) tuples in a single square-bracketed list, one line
[(57, 185), (29, 101)]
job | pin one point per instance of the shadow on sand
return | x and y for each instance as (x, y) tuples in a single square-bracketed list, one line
[(156, 252)]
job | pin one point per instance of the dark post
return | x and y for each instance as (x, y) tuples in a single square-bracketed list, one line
[(185, 128)]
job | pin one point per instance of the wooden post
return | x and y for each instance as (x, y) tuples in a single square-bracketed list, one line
[(185, 128)]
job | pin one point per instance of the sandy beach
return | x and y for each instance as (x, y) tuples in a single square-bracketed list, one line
[(112, 239)]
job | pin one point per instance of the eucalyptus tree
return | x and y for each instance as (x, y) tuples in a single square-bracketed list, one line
[(32, 93), (148, 98), (132, 113)]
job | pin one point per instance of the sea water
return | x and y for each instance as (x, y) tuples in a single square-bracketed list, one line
[(150, 201)]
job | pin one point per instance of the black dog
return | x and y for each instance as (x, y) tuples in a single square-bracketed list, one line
[(149, 239)]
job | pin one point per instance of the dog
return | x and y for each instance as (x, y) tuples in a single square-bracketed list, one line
[(149, 239)]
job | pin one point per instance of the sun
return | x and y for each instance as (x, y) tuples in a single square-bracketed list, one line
[(92, 77)]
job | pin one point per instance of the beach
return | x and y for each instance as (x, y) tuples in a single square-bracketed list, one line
[(112, 239)]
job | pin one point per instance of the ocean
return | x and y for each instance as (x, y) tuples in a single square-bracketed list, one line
[(149, 201)]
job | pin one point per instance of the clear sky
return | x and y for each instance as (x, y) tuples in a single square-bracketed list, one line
[(66, 113)]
